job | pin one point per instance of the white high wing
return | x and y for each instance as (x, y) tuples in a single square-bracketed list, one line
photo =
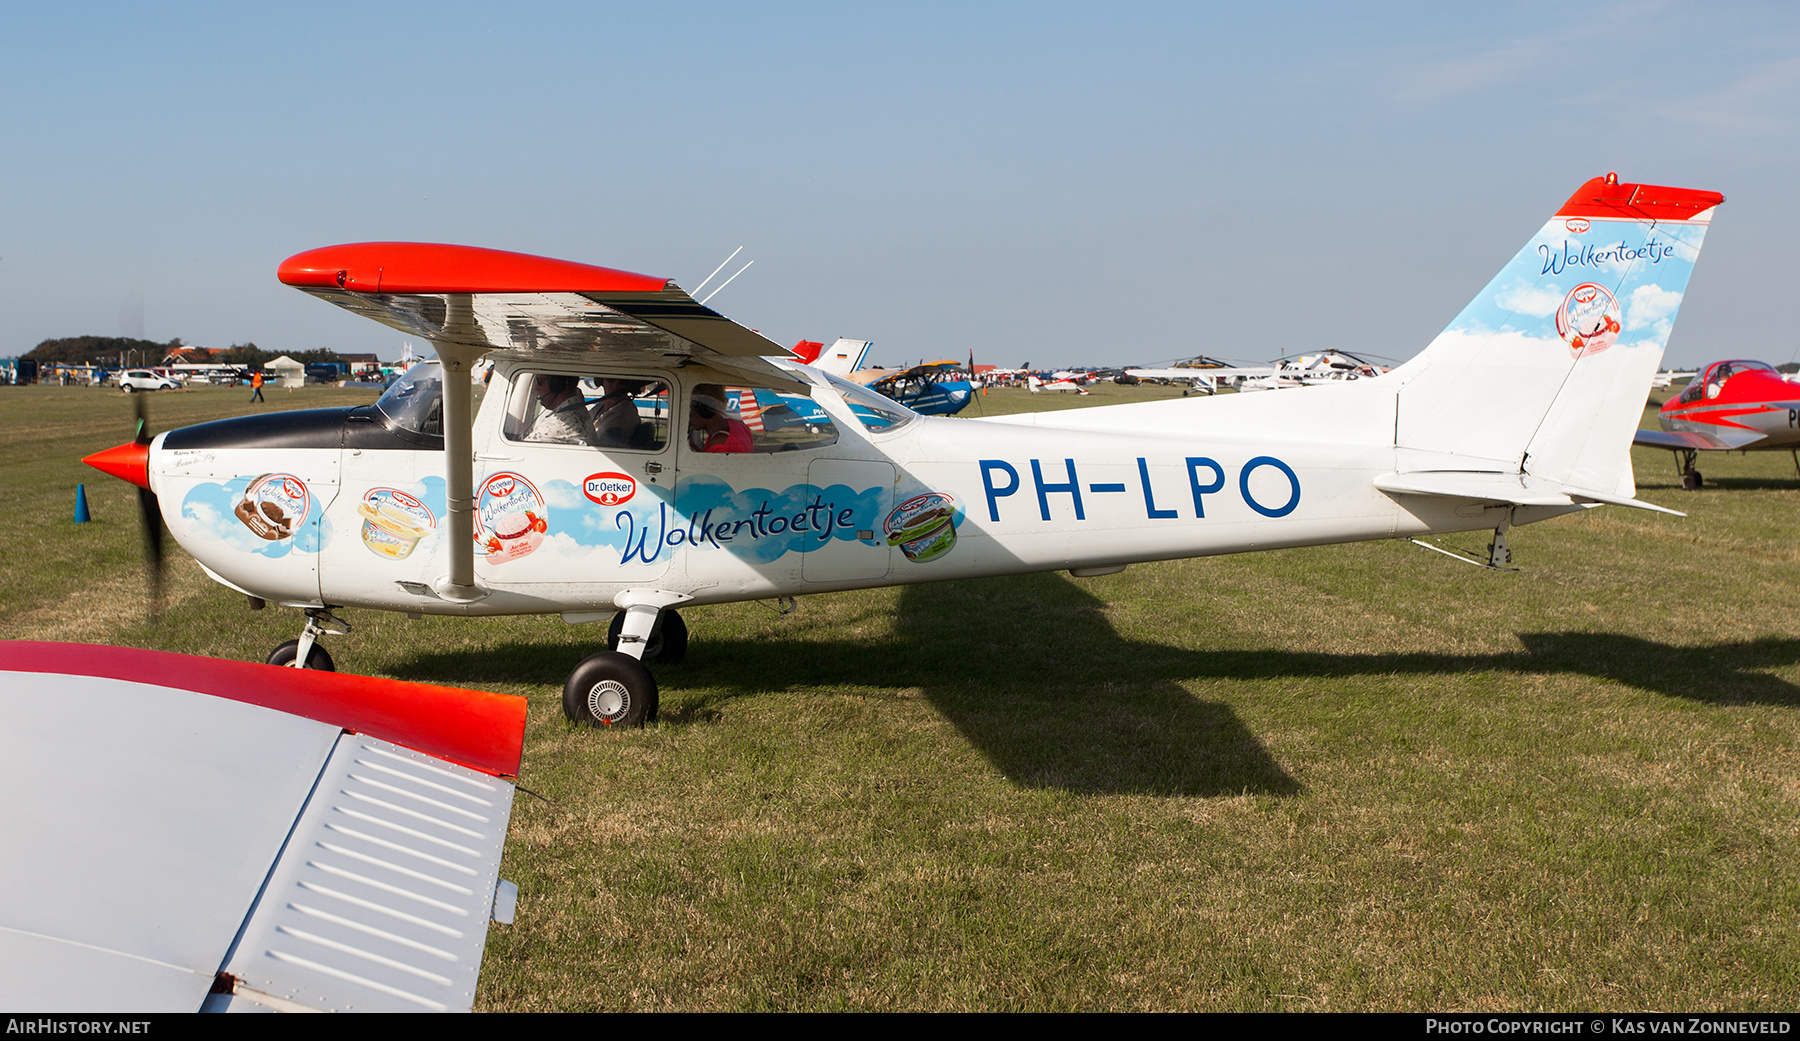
[(637, 451)]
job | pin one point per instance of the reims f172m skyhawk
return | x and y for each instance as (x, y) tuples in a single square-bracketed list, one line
[(608, 471)]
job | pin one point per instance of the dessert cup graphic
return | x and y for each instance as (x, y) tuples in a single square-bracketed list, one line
[(1588, 319), (924, 526), (393, 522), (510, 518), (273, 506)]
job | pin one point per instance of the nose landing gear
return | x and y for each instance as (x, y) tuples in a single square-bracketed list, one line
[(306, 652), (1690, 477)]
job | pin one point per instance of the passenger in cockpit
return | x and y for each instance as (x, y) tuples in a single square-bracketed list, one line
[(710, 427)]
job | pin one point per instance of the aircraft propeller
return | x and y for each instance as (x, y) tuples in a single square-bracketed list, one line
[(149, 512)]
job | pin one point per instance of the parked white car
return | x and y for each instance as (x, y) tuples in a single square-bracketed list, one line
[(144, 379)]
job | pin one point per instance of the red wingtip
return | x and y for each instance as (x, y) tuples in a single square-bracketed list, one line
[(128, 462), (429, 267), (808, 350)]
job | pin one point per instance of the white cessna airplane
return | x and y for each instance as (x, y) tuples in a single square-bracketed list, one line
[(608, 472)]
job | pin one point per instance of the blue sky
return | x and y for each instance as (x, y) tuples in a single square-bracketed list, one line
[(1037, 182)]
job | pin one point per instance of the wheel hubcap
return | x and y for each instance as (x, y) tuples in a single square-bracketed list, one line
[(608, 700)]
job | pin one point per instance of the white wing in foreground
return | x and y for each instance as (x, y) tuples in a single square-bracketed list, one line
[(185, 833)]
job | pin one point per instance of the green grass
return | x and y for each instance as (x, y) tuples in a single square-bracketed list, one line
[(1349, 777)]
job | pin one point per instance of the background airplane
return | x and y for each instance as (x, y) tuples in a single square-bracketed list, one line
[(926, 389), (1205, 377), (842, 358), (1733, 406)]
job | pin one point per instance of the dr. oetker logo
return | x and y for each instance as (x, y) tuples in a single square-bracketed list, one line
[(609, 489)]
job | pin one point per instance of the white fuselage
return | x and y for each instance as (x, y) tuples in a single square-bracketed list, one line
[(569, 527)]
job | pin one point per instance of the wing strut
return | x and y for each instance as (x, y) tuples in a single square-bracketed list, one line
[(457, 351)]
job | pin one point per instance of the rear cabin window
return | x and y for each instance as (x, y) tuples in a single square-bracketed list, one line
[(734, 420)]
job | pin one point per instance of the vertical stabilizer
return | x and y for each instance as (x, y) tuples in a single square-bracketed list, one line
[(843, 357), (1546, 371)]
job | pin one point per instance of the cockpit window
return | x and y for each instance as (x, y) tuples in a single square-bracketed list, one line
[(878, 413), (1716, 376), (415, 401), (606, 412)]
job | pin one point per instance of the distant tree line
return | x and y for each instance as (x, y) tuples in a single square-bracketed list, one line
[(106, 350)]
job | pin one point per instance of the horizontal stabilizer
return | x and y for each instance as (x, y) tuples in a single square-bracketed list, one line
[(1517, 489), (1723, 441)]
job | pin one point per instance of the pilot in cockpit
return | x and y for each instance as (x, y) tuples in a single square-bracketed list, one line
[(564, 419)]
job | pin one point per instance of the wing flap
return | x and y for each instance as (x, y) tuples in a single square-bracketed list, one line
[(381, 899)]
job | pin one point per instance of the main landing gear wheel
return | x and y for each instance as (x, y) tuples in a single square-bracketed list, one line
[(668, 640), (1691, 481), (315, 658), (610, 689)]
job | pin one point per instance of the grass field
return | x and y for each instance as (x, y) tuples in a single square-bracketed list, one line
[(1351, 777)]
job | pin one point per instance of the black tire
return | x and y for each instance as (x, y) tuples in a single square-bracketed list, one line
[(668, 638), (129, 388), (316, 658), (1691, 481), (610, 689)]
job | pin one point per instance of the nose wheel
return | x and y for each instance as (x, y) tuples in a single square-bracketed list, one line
[(289, 653), (306, 652), (1690, 477)]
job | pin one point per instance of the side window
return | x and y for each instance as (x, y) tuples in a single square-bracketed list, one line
[(608, 412), (755, 419)]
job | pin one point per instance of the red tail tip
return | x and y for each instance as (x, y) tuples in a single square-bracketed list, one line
[(128, 462)]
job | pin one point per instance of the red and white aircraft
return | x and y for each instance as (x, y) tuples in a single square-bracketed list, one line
[(606, 472), (1734, 406)]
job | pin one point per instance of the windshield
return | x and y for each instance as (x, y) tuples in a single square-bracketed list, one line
[(415, 401), (878, 413)]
